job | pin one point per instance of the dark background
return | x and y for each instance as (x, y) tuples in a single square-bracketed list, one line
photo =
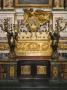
[(33, 1)]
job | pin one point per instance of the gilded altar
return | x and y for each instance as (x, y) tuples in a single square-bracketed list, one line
[(33, 36)]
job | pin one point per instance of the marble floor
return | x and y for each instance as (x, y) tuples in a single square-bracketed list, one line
[(32, 85)]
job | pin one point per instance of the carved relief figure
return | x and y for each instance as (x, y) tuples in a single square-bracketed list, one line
[(58, 4), (8, 4)]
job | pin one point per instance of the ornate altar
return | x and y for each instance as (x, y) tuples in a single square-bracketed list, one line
[(33, 36)]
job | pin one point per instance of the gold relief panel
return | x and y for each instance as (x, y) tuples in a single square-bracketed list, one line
[(55, 72), (12, 71), (33, 48), (41, 69), (25, 70)]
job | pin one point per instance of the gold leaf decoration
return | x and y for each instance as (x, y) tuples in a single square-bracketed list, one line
[(34, 19)]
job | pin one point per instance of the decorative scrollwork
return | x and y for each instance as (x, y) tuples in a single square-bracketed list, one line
[(35, 19)]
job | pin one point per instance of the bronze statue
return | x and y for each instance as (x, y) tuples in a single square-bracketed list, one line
[(55, 40), (55, 35), (11, 36)]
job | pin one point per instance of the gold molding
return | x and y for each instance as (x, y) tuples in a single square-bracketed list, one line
[(4, 46)]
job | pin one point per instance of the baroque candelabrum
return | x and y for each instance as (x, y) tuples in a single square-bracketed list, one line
[(11, 35), (55, 35)]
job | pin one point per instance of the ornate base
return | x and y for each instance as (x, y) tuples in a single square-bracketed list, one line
[(33, 69)]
